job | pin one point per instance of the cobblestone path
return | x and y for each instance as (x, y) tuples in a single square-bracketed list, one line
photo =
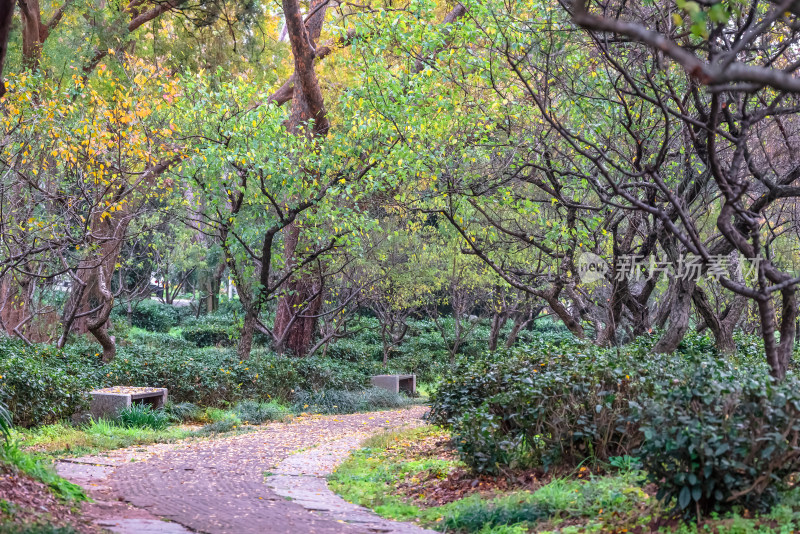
[(218, 486)]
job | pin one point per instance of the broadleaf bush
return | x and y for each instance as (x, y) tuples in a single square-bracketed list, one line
[(545, 403), (41, 384), (150, 315), (724, 437)]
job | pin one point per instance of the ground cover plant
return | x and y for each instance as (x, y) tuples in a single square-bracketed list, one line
[(29, 485), (416, 476), (65, 439), (703, 429)]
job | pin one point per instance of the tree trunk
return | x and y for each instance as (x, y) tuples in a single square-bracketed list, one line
[(678, 317), (304, 302), (566, 317), (307, 105), (246, 341), (6, 19), (775, 360), (13, 302), (498, 321), (721, 327), (97, 324), (386, 345), (88, 310), (33, 33), (788, 331), (521, 321)]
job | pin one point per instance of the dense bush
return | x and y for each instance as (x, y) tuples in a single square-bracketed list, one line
[(211, 332), (724, 437), (210, 376), (157, 339), (335, 401), (711, 433), (5, 420), (254, 412), (149, 314), (549, 403), (41, 384), (181, 412)]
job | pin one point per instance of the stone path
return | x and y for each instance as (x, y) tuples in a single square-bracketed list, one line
[(302, 477), (218, 486)]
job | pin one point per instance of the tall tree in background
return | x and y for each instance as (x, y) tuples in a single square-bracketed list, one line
[(308, 118)]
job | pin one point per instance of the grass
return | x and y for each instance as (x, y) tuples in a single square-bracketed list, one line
[(37, 469), (242, 415), (615, 502), (143, 416), (140, 425), (253, 412), (62, 439), (41, 528), (366, 478)]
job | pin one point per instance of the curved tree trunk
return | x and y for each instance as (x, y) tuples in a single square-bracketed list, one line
[(678, 322), (307, 105), (89, 304)]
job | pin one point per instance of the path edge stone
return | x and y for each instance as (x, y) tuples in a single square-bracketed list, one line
[(302, 477)]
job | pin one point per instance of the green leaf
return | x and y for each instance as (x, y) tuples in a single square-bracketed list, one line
[(685, 497)]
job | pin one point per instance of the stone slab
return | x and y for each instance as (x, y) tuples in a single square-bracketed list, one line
[(396, 383), (142, 526), (108, 402)]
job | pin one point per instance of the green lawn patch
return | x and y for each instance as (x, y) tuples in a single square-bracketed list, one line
[(62, 439), (378, 475), (38, 469)]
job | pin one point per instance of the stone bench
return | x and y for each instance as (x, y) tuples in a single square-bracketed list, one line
[(108, 402), (396, 383)]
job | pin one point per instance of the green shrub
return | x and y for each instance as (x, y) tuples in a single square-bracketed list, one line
[(36, 528), (182, 411), (41, 384), (230, 306), (335, 401), (5, 421), (159, 340), (143, 416), (219, 427), (473, 514), (221, 421), (209, 333), (724, 437), (550, 403), (150, 315), (255, 412)]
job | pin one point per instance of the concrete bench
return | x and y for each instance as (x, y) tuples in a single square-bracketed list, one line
[(108, 402), (396, 383)]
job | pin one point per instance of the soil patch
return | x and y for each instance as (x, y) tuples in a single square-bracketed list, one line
[(24, 500)]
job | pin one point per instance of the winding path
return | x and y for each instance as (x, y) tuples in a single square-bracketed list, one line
[(227, 486)]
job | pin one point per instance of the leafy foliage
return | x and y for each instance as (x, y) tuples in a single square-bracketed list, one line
[(182, 411), (41, 384), (558, 403), (5, 421), (333, 401), (36, 468), (723, 437), (143, 416), (220, 331), (255, 412), (150, 315)]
